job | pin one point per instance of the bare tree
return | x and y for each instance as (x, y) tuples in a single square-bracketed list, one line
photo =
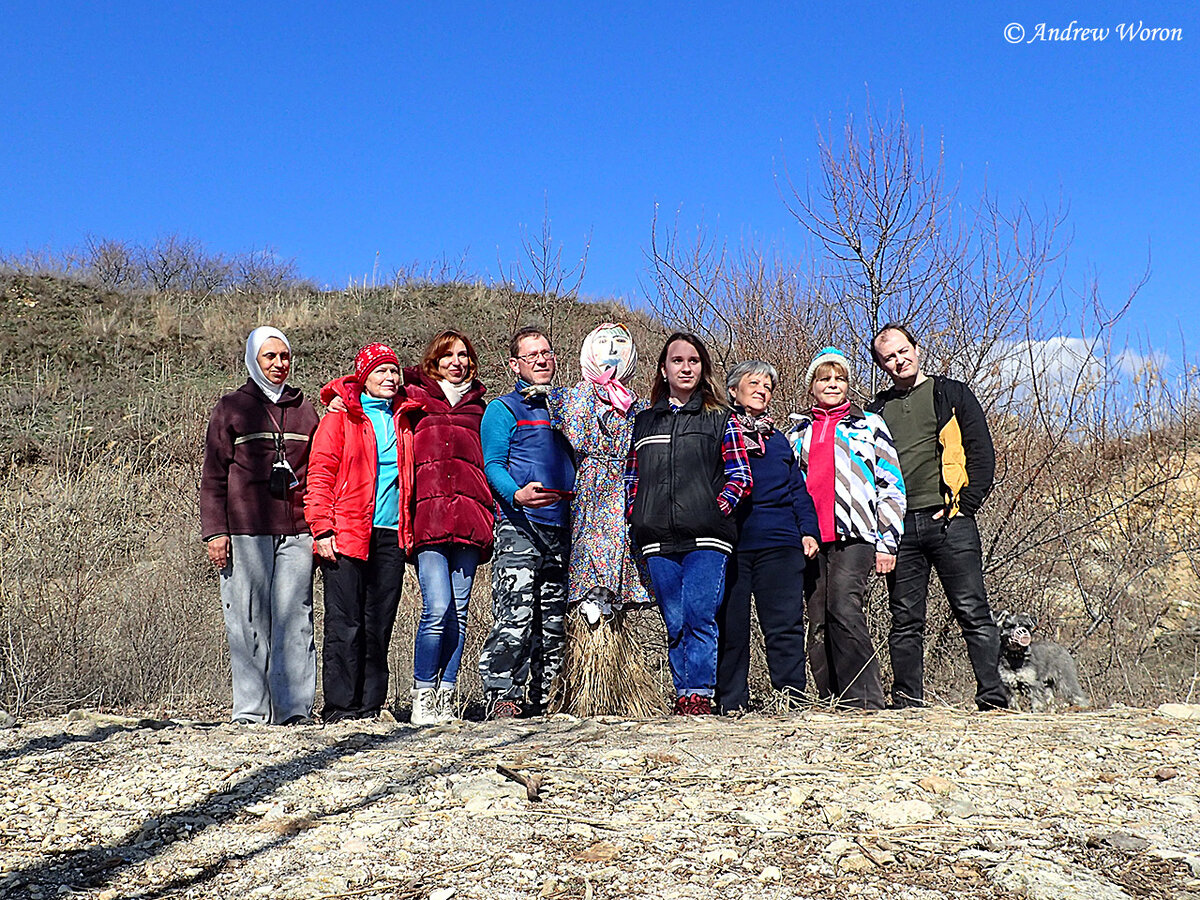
[(114, 264), (540, 285), (263, 272), (170, 262)]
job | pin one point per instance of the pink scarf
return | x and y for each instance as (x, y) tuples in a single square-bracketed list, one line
[(610, 390)]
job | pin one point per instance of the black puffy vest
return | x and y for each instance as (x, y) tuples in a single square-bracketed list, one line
[(680, 474)]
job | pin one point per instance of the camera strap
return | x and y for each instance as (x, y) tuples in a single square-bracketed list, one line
[(280, 456)]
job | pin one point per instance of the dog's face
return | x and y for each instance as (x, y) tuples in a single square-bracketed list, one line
[(1016, 630)]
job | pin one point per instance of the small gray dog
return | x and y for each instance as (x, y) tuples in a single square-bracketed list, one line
[(1041, 670)]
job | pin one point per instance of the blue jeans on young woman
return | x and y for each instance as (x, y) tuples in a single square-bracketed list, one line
[(689, 587), (445, 573)]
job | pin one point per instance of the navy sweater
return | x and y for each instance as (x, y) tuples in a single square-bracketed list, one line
[(779, 510)]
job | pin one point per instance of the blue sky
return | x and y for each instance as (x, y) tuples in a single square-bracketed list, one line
[(336, 132)]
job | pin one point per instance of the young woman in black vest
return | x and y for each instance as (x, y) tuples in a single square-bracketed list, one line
[(687, 469)]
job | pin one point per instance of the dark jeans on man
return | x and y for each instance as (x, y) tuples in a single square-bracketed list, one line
[(952, 547), (361, 597), (776, 579), (844, 665)]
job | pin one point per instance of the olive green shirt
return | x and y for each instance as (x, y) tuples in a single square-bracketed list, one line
[(912, 421)]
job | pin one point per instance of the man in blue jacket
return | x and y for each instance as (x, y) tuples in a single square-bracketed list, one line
[(949, 464), (530, 468)]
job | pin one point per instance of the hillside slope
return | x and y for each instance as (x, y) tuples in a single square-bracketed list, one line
[(106, 598)]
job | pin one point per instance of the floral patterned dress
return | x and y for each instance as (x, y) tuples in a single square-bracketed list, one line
[(603, 568)]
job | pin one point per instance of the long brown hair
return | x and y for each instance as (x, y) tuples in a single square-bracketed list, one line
[(706, 383), (440, 345)]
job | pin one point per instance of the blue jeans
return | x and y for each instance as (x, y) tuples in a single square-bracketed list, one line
[(445, 573), (689, 587)]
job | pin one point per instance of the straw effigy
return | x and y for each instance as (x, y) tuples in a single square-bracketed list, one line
[(603, 673)]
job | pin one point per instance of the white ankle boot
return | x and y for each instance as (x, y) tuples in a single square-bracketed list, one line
[(424, 706), (446, 711)]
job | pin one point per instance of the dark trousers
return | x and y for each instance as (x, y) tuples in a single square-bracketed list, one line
[(776, 579), (953, 549), (361, 597), (840, 653)]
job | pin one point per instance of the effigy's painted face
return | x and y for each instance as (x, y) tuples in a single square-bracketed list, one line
[(610, 347), (613, 347)]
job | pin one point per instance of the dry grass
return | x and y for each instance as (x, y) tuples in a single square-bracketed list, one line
[(106, 598), (604, 673)]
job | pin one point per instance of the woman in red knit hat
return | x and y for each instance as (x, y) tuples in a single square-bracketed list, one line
[(358, 507), (453, 509)]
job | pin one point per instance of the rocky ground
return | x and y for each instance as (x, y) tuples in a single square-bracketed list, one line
[(916, 804)]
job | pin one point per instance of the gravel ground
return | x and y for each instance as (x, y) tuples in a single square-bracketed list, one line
[(934, 803)]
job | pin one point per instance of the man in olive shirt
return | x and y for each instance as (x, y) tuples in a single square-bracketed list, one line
[(949, 464)]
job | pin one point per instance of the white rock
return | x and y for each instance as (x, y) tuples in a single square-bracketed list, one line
[(1179, 710), (582, 830), (771, 873), (719, 856), (1038, 878), (487, 787), (837, 848), (903, 812)]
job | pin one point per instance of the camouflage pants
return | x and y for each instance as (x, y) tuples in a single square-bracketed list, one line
[(529, 605)]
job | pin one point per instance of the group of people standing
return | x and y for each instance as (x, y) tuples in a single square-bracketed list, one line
[(590, 501)]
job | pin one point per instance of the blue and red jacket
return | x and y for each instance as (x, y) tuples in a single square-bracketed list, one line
[(520, 446)]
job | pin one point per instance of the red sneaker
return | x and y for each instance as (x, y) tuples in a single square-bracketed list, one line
[(699, 705), (683, 706)]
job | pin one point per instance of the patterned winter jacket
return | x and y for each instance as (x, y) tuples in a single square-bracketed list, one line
[(869, 500)]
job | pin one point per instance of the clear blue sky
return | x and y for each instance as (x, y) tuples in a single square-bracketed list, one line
[(333, 132)]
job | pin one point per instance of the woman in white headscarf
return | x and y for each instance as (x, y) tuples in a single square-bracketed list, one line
[(603, 673), (252, 516)]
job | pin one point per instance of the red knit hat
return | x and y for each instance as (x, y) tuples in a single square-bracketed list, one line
[(371, 357)]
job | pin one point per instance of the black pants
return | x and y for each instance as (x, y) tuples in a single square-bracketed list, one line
[(953, 549), (361, 597), (840, 653), (776, 579)]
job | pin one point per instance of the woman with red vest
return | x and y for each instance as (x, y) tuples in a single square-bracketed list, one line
[(453, 516), (358, 507)]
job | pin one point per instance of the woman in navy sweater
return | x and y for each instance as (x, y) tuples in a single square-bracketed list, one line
[(777, 530)]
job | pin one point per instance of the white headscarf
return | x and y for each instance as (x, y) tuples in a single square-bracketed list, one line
[(258, 337), (608, 370)]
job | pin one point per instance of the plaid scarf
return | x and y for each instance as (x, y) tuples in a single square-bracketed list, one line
[(755, 430)]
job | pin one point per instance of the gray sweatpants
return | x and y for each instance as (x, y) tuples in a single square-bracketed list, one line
[(267, 594)]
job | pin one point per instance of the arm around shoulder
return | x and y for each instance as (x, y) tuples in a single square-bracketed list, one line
[(324, 461), (495, 435)]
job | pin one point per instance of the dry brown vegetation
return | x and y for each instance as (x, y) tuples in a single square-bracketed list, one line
[(106, 599)]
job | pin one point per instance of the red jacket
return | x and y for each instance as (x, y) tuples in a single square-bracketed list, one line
[(341, 477), (452, 502)]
